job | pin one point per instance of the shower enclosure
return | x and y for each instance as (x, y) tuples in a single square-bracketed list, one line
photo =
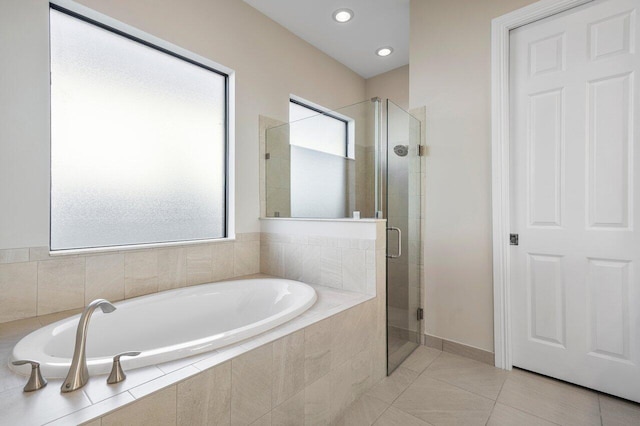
[(402, 209), (372, 169), (313, 172)]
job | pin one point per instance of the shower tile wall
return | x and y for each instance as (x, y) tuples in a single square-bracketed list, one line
[(32, 283), (277, 169), (333, 262), (264, 123), (365, 183)]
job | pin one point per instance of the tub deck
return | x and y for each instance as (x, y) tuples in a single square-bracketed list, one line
[(49, 406)]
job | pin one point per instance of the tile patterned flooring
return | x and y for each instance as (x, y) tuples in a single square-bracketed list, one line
[(438, 388)]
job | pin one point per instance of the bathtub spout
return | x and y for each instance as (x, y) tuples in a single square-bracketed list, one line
[(78, 375)]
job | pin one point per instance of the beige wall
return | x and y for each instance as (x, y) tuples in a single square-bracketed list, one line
[(393, 85), (451, 74), (270, 63)]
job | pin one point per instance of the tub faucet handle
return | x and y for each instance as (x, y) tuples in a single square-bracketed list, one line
[(36, 381), (117, 373)]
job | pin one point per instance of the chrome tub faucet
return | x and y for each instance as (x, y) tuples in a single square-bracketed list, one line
[(78, 375)]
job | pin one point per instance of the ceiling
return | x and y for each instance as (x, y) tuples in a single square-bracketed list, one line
[(376, 23)]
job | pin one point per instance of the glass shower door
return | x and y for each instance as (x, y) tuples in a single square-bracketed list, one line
[(403, 202)]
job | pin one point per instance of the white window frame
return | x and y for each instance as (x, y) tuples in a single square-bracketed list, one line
[(110, 22)]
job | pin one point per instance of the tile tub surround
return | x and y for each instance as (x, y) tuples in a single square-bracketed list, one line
[(33, 283), (343, 339), (343, 263), (314, 366)]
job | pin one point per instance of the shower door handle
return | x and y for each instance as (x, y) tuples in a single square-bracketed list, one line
[(393, 228)]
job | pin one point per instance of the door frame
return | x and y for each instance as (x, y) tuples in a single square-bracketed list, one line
[(500, 163)]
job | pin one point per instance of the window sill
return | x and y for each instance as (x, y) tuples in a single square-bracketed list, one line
[(137, 247)]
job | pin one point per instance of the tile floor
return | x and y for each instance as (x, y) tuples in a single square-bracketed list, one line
[(438, 388), (399, 349)]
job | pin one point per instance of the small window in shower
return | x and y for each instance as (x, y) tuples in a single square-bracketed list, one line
[(319, 130), (322, 153), (139, 138)]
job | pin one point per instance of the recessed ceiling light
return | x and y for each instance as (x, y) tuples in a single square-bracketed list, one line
[(384, 51), (343, 15)]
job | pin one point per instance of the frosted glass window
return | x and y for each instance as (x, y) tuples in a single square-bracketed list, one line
[(138, 141), (314, 130), (318, 184)]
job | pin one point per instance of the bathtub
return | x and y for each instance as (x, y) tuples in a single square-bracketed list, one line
[(169, 325)]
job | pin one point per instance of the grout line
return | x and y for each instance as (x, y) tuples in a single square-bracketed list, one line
[(522, 411), (491, 412), (381, 414), (408, 386), (72, 412), (530, 414), (230, 387), (84, 281), (421, 372), (432, 361), (502, 387), (463, 389), (466, 390), (176, 385), (418, 418), (383, 411), (37, 285), (600, 410), (350, 406)]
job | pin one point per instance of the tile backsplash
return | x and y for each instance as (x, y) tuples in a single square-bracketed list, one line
[(33, 283)]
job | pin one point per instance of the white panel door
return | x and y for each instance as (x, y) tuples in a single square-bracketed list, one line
[(575, 292)]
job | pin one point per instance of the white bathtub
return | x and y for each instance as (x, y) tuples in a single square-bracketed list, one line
[(169, 325)]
